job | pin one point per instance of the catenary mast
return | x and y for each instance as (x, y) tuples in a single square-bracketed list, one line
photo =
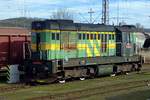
[(105, 12)]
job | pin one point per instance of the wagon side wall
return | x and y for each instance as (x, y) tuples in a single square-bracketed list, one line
[(11, 49)]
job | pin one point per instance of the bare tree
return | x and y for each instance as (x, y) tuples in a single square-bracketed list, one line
[(62, 14), (139, 26), (122, 23)]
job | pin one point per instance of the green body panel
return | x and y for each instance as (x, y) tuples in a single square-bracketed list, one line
[(72, 52), (42, 37), (70, 46), (47, 37), (90, 48), (111, 50), (33, 38), (95, 48), (63, 48), (97, 43)]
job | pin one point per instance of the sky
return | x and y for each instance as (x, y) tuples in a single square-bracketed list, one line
[(130, 11)]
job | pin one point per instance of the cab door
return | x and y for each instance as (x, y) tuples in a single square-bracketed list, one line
[(68, 45), (55, 45), (64, 44)]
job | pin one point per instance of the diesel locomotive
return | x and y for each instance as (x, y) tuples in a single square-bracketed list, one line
[(62, 49)]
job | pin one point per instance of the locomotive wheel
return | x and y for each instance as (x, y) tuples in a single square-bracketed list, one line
[(82, 78), (133, 68), (139, 68), (113, 75), (62, 81)]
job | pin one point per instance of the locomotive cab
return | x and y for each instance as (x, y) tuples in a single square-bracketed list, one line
[(125, 39)]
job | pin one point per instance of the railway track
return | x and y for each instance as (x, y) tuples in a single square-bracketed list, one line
[(75, 95), (13, 87), (81, 93), (146, 67)]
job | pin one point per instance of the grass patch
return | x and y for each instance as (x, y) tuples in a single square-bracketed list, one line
[(143, 94)]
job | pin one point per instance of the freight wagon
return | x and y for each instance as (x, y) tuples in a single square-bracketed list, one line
[(62, 49), (12, 50)]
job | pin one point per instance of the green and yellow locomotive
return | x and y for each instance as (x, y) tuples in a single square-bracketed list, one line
[(62, 49)]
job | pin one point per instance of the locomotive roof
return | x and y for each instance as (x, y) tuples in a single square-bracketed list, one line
[(70, 26), (127, 28)]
